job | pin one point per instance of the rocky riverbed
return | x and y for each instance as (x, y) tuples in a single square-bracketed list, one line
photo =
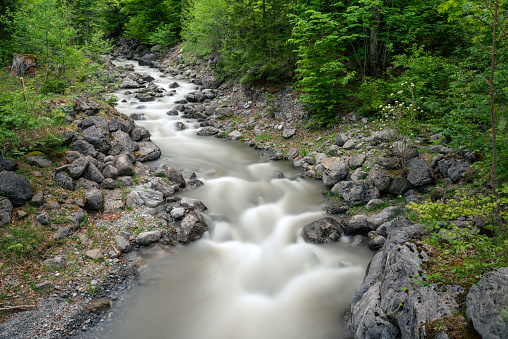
[(136, 212)]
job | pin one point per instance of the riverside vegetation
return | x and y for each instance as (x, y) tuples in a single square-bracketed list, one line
[(324, 73)]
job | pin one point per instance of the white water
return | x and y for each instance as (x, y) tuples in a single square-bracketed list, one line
[(251, 276)]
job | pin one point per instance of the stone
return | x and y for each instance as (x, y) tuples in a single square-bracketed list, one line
[(124, 165), (163, 187), (180, 126), (177, 213), (349, 144), (110, 171), (78, 217), (176, 177), (99, 305), (84, 147), (37, 199), (288, 132), (193, 204), (77, 167), (113, 202), (341, 139), (380, 178), (374, 203), (38, 160), (148, 151), (64, 180), (85, 104), (57, 261), (122, 244), (487, 304), (146, 238), (385, 215), (324, 230), (357, 225), (338, 171), (6, 164), (94, 254), (235, 135), (377, 243), (208, 131), (146, 197), (357, 160), (398, 186), (337, 208), (358, 176), (418, 172), (192, 228), (11, 281), (92, 173), (355, 194), (457, 171), (5, 211), (43, 285), (384, 135), (15, 187), (94, 199), (125, 181), (43, 219), (328, 162), (86, 184)]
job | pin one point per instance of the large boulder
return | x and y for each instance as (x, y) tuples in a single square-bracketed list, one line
[(83, 147), (208, 131), (338, 171), (92, 173), (192, 228), (145, 197), (148, 151), (324, 230), (487, 305), (355, 193), (146, 238), (385, 215), (357, 225), (39, 160), (418, 172), (5, 211), (98, 137), (77, 167), (15, 187), (87, 105), (94, 199), (124, 165), (64, 180), (6, 165)]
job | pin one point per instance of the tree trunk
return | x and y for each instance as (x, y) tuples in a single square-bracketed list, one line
[(23, 64), (374, 43)]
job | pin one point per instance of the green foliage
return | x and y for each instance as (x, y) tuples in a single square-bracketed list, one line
[(54, 85), (24, 241)]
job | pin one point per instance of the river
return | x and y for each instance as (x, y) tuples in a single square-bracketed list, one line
[(251, 275)]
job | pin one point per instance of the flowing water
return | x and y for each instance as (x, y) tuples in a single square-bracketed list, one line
[(251, 275)]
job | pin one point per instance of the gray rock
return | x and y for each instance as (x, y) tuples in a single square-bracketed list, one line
[(324, 230), (384, 135), (94, 199), (146, 238), (39, 160), (77, 167), (224, 111), (288, 132), (357, 160), (374, 203), (257, 132), (37, 200), (86, 104), (140, 134), (56, 261), (128, 83), (419, 173), (78, 217), (146, 197), (355, 194), (349, 144), (5, 211), (180, 126), (192, 228), (376, 243), (110, 171), (177, 213), (125, 181), (338, 171), (113, 202), (357, 224), (98, 137), (337, 208), (398, 186), (6, 164), (86, 184), (122, 244), (385, 215), (83, 147), (193, 204), (235, 135), (176, 177), (457, 171), (15, 187), (359, 175), (487, 305), (92, 173), (163, 187), (94, 254), (64, 180), (208, 131), (43, 285), (440, 149), (124, 165), (148, 151), (43, 219), (341, 139), (380, 178), (435, 160)]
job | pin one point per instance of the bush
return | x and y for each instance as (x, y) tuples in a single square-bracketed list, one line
[(54, 85)]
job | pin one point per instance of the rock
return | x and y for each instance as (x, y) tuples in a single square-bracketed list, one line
[(288, 132), (193, 226), (224, 111), (175, 177), (78, 217), (15, 187), (380, 178), (193, 204), (86, 184), (256, 132), (384, 135), (145, 238), (418, 172), (341, 139), (77, 167), (83, 147), (122, 244), (376, 243), (94, 254), (337, 208), (6, 164), (110, 171), (210, 82), (85, 104), (38, 160), (385, 215), (148, 151), (357, 224), (98, 137), (43, 219), (43, 285), (355, 194), (92, 173), (99, 305), (64, 180), (163, 187), (128, 83), (5, 211), (124, 165), (357, 160), (180, 126), (388, 162), (335, 173), (177, 213), (11, 281), (235, 135), (37, 199), (398, 186), (360, 241), (113, 202), (125, 181), (146, 197), (457, 171), (374, 203), (325, 230), (349, 144), (94, 199), (56, 261), (208, 131), (91, 121), (174, 84), (487, 304)]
